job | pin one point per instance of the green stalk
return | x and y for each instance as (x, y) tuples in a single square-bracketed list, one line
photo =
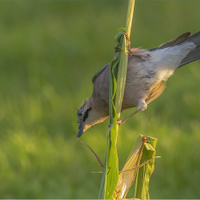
[(117, 80), (140, 164), (129, 18)]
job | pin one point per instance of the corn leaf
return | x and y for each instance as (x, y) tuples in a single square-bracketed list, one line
[(127, 175), (122, 71), (142, 156), (144, 173), (111, 170), (116, 97)]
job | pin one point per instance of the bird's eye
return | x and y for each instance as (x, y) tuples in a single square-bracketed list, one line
[(86, 114)]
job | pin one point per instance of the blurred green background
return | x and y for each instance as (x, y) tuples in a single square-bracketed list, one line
[(49, 52)]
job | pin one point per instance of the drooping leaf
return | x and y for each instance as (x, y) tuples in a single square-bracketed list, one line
[(142, 156), (126, 178), (144, 173)]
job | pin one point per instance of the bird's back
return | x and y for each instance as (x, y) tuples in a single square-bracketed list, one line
[(146, 75), (147, 72)]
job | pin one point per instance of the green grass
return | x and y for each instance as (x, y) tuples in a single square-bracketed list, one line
[(49, 52)]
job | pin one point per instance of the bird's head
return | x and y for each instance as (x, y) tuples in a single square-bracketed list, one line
[(89, 114)]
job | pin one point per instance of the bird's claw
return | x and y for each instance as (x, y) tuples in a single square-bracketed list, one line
[(117, 49), (120, 121)]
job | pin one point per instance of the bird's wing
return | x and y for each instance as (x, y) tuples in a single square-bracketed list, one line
[(99, 72), (155, 91), (173, 42)]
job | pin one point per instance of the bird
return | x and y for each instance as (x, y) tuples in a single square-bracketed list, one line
[(147, 73)]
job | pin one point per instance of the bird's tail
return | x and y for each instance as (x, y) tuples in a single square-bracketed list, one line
[(194, 54)]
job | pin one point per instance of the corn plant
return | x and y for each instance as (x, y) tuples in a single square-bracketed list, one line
[(115, 184)]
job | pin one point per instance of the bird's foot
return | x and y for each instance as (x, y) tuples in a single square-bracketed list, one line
[(141, 106), (120, 121), (117, 49)]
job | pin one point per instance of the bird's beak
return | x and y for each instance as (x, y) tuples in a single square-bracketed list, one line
[(80, 130)]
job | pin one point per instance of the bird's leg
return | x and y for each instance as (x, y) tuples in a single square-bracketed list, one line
[(117, 49), (121, 121), (141, 106)]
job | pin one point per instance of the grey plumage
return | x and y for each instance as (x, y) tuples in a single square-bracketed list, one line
[(147, 73)]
